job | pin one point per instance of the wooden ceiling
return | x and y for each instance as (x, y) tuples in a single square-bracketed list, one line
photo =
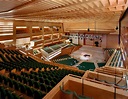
[(63, 10)]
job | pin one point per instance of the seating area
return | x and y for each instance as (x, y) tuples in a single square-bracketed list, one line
[(86, 66), (55, 47), (48, 49), (110, 51), (66, 59), (52, 48), (116, 59), (10, 61), (27, 77), (5, 93), (20, 87), (61, 44), (101, 64)]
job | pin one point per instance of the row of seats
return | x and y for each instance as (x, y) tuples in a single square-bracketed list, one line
[(25, 62), (52, 48), (116, 60), (66, 60), (21, 87), (34, 83), (101, 64), (42, 80), (86, 66), (41, 84), (8, 51), (110, 51), (48, 49), (5, 93), (55, 47), (69, 62)]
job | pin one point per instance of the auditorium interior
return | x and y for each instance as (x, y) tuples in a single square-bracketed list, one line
[(63, 49)]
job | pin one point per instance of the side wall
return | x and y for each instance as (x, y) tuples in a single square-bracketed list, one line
[(108, 40), (112, 41)]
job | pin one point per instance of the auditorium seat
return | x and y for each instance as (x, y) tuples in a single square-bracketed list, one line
[(116, 59), (47, 49), (110, 50), (55, 47), (86, 66), (66, 59), (5, 93), (101, 64), (29, 91), (38, 94)]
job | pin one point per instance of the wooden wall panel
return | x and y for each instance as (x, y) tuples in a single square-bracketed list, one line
[(112, 41), (8, 37)]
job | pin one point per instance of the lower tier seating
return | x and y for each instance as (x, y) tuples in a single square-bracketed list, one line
[(86, 66), (101, 64), (116, 59), (66, 59), (5, 93)]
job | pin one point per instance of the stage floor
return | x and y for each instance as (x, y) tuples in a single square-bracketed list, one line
[(89, 53)]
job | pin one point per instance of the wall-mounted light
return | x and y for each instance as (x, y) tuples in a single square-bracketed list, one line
[(116, 27), (23, 27), (88, 29)]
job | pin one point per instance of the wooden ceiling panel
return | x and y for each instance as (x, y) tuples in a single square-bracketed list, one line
[(63, 10), (113, 2), (105, 3), (6, 5), (120, 2)]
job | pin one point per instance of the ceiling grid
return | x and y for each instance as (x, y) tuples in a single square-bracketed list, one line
[(63, 10)]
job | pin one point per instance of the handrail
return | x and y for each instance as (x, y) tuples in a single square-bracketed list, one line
[(111, 57), (99, 82)]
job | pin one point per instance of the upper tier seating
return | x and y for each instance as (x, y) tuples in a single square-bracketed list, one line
[(48, 49), (116, 59), (5, 93), (32, 79), (110, 51), (52, 48), (55, 47)]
